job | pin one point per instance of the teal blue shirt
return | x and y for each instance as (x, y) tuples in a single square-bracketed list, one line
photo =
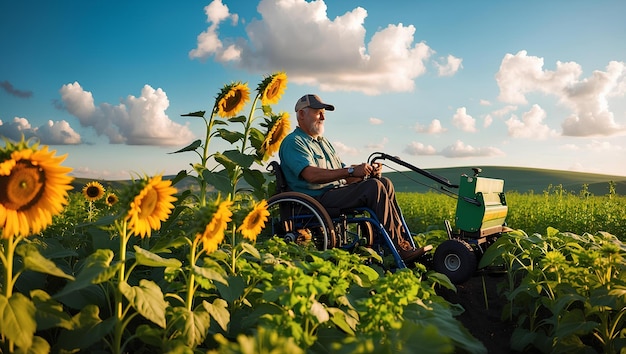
[(299, 150)]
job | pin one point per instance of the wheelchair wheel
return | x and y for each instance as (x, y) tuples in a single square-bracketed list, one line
[(456, 259), (297, 217)]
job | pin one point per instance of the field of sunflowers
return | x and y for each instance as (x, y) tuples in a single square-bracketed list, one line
[(150, 268)]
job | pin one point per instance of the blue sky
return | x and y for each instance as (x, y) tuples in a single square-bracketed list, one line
[(536, 84)]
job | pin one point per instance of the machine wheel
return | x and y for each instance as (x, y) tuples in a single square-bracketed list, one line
[(456, 259), (297, 217)]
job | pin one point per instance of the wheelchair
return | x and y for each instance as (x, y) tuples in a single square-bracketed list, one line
[(481, 210), (299, 218)]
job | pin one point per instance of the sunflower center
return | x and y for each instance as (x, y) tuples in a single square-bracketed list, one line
[(23, 187), (93, 191), (255, 219), (273, 90), (232, 101), (148, 204)]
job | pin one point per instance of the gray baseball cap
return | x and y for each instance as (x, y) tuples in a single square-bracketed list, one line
[(313, 101)]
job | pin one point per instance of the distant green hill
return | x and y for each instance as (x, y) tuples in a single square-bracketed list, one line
[(517, 179)]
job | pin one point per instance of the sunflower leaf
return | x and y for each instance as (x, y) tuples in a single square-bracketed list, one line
[(194, 114), (50, 313), (219, 180), (218, 311), (231, 137), (240, 159), (17, 315), (33, 260), (150, 259), (193, 325), (255, 178), (191, 147), (96, 269), (256, 138), (88, 329), (240, 119), (147, 299)]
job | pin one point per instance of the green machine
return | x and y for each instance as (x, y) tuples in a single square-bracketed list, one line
[(480, 219)]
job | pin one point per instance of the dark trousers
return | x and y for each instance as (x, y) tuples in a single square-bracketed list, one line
[(379, 195)]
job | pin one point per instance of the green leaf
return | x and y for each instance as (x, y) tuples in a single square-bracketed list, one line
[(250, 249), (33, 260), (218, 311), (232, 290), (88, 329), (194, 114), (193, 325), (242, 160), (96, 269), (150, 259), (147, 299), (50, 313), (338, 318), (17, 319), (231, 137), (219, 180), (209, 274), (239, 119), (255, 178), (191, 147), (256, 138)]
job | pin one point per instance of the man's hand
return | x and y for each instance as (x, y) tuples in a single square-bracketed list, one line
[(377, 170)]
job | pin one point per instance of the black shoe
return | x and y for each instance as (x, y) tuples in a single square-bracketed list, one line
[(411, 255)]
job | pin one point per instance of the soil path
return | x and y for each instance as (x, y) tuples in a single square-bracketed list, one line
[(483, 311)]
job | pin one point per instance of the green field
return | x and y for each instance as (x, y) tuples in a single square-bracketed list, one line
[(516, 179)]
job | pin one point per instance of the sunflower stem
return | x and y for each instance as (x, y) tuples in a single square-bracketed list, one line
[(121, 276), (191, 280), (246, 134)]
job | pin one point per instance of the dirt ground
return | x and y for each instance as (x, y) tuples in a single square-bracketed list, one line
[(483, 318)]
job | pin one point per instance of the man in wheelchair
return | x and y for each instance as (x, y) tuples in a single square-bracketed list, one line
[(311, 166)]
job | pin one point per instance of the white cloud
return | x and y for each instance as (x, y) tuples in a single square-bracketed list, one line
[(297, 36), (415, 148), (531, 125), (487, 121), (378, 146), (448, 66), (135, 121), (464, 121), (504, 111), (571, 147), (434, 127), (485, 102), (601, 146), (459, 149), (50, 133), (343, 149), (208, 41), (375, 121), (521, 74)]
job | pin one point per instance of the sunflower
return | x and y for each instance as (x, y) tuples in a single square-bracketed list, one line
[(33, 188), (272, 88), (213, 233), (111, 199), (151, 206), (276, 133), (255, 221), (93, 191), (232, 99)]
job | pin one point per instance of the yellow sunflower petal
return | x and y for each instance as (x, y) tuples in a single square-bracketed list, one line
[(274, 89), (151, 206), (233, 100), (33, 188), (255, 221)]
